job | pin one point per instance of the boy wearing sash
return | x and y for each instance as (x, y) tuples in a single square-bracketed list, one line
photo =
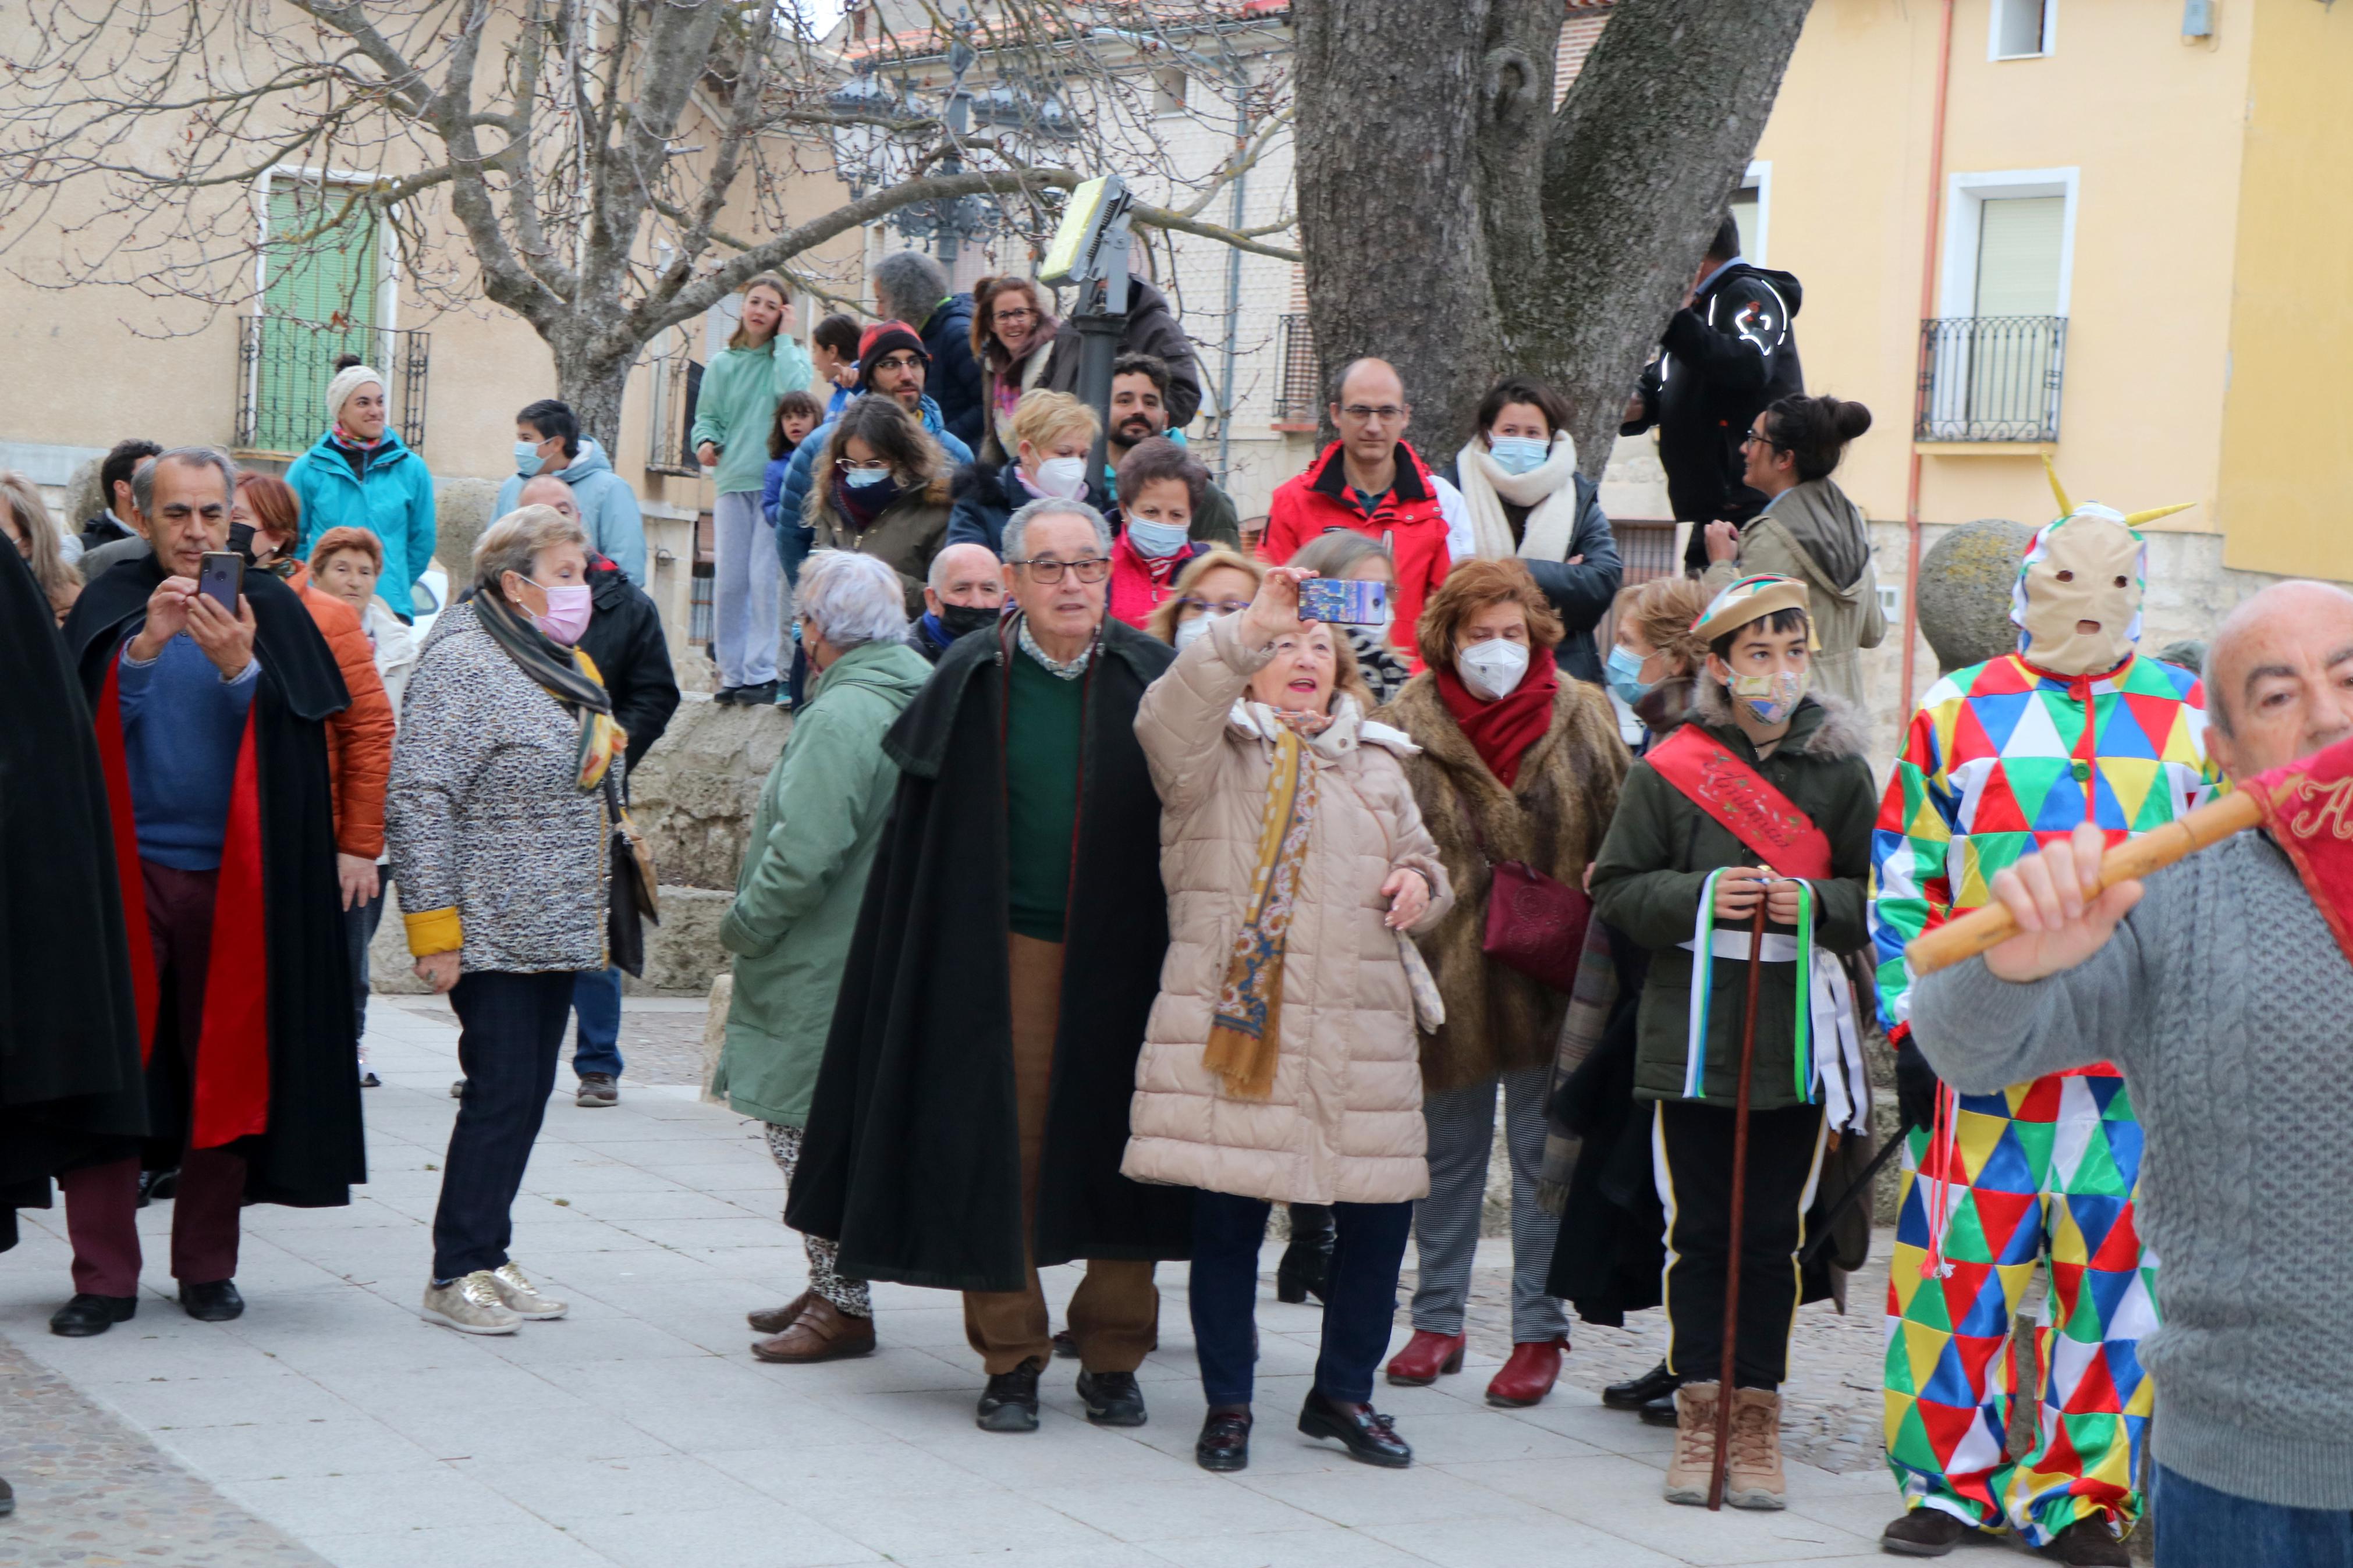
[(1761, 795), (2002, 758)]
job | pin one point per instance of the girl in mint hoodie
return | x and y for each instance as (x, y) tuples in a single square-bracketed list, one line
[(736, 406)]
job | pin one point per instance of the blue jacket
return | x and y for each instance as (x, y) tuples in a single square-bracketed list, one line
[(395, 503), (783, 504), (608, 509)]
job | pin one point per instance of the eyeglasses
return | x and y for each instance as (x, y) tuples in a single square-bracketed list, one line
[(1014, 318), (1752, 438), (852, 466), (898, 362), (1093, 569), (1217, 606), (1360, 412)]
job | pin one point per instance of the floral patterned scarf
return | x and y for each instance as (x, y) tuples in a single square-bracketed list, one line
[(1245, 1034)]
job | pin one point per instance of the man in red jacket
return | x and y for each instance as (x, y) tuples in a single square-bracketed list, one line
[(1370, 481)]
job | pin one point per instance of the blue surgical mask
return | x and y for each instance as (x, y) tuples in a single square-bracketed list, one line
[(1156, 541), (859, 479), (1626, 675), (527, 458), (1519, 454)]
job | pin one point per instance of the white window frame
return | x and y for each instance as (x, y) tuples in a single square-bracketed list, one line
[(1759, 178), (387, 282), (2049, 31), (1964, 199)]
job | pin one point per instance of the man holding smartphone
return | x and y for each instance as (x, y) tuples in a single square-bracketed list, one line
[(209, 687)]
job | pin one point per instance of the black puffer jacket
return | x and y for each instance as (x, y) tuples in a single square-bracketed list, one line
[(1152, 328), (955, 379), (1729, 353), (625, 637)]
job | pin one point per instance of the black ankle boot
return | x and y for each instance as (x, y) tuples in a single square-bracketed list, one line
[(1307, 1261)]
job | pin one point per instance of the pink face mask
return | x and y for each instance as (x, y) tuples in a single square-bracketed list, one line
[(567, 613)]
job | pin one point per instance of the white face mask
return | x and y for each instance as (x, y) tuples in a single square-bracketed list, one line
[(1492, 668), (1062, 477), (1192, 631)]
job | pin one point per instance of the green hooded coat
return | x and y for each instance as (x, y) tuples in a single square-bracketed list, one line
[(797, 899)]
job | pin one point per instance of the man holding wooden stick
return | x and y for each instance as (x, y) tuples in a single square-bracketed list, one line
[(2073, 730), (2221, 987)]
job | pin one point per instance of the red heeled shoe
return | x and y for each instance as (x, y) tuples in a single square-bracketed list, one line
[(1529, 1375), (1425, 1356)]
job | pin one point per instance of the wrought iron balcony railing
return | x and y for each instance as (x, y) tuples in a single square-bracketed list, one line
[(283, 366), (1991, 378)]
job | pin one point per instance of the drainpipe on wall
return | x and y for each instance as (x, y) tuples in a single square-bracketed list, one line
[(1928, 309), (1239, 75)]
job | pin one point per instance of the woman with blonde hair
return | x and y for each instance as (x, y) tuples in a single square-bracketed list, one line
[(1221, 583), (1278, 1062), (1052, 434), (733, 415), (26, 519), (1655, 656)]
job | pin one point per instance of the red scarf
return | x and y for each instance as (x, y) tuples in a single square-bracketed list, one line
[(1503, 729)]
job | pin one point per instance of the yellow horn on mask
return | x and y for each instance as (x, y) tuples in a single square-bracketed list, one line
[(2066, 507), (2134, 519)]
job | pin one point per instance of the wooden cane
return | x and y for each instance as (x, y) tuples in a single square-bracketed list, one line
[(1737, 1220), (1992, 924)]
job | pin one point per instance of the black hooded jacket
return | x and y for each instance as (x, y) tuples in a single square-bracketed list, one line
[(912, 1159), (955, 379), (625, 637), (1728, 354)]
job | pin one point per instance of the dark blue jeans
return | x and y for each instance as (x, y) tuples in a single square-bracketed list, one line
[(510, 1039), (2198, 1527), (597, 1044), (1359, 1301)]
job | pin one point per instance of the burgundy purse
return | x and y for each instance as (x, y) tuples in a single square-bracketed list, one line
[(1535, 924)]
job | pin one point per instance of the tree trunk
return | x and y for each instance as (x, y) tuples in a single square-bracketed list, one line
[(1388, 207), (1457, 225), (594, 387)]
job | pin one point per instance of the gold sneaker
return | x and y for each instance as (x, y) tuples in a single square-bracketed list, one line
[(521, 1297), (470, 1306)]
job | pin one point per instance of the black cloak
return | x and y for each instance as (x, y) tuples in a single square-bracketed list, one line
[(912, 1159), (69, 1083), (311, 1148)]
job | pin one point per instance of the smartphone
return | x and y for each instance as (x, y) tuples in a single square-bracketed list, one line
[(222, 576), (1342, 600)]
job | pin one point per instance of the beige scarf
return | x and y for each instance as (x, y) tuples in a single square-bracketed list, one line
[(1548, 489)]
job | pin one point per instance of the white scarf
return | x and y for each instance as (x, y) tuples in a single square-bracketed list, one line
[(1548, 489)]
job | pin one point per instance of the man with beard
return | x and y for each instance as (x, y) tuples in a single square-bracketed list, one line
[(1139, 411), (2005, 759), (210, 726), (970, 1116)]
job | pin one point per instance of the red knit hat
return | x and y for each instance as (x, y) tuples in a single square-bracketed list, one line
[(888, 337)]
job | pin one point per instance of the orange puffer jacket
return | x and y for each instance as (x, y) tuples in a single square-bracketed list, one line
[(359, 739)]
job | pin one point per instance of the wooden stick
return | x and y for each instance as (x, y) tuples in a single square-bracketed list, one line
[(1737, 1219), (1991, 925)]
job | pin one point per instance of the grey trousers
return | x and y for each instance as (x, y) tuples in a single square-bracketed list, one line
[(747, 592), (1446, 1223)]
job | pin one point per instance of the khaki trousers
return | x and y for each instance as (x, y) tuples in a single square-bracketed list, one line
[(1115, 1314)]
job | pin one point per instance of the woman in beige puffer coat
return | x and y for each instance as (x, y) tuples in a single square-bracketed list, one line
[(1318, 1097)]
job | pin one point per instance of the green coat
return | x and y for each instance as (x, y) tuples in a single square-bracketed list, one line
[(1661, 849), (813, 840), (737, 406)]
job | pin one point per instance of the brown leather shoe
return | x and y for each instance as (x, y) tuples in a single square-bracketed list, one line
[(776, 1319), (822, 1332)]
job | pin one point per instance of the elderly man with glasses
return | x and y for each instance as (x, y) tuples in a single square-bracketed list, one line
[(1371, 482), (968, 1121)]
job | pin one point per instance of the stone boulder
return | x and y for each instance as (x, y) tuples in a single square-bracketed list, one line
[(462, 509), (1965, 581), (697, 790), (83, 501)]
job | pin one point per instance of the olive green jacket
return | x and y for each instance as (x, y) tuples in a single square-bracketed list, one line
[(1659, 851), (813, 841)]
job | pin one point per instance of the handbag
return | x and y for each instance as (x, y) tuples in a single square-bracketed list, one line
[(631, 898), (1536, 923)]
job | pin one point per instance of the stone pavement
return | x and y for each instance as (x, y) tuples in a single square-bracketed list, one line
[(638, 1430)]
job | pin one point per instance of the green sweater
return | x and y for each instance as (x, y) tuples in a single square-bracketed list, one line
[(1658, 854), (738, 404), (1044, 721)]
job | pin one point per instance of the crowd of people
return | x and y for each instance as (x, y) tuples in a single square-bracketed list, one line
[(1122, 879)]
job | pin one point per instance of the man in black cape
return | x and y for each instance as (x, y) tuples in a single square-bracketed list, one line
[(975, 1086), (239, 971)]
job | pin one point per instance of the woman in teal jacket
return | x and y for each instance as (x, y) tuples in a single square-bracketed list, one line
[(732, 417), (360, 475), (797, 899)]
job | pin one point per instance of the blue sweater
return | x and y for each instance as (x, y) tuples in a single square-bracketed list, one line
[(182, 726)]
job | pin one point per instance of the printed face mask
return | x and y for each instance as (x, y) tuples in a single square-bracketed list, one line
[(1492, 668), (1771, 698), (2078, 620), (1518, 454), (1626, 675)]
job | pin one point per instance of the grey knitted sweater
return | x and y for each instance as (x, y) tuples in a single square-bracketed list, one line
[(2227, 1003)]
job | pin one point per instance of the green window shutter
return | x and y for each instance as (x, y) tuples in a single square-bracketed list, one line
[(318, 302)]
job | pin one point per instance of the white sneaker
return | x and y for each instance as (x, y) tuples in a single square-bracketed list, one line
[(470, 1306), (521, 1298)]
